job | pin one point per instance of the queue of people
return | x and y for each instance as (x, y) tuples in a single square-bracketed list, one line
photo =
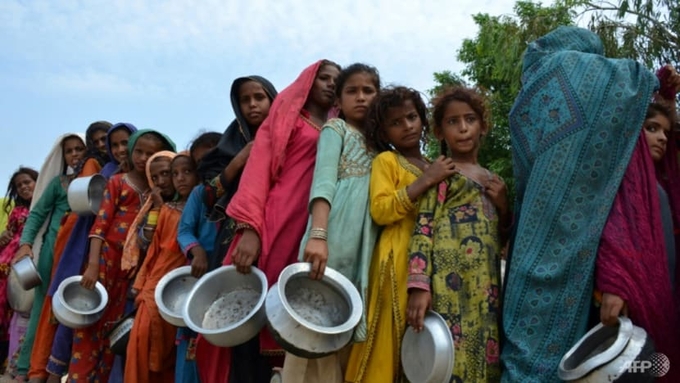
[(332, 171)]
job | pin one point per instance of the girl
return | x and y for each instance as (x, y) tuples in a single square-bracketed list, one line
[(91, 357), (196, 237), (397, 127), (341, 180), (48, 208), (644, 291), (75, 253), (454, 254), (19, 194), (220, 170), (46, 327), (269, 207), (150, 352)]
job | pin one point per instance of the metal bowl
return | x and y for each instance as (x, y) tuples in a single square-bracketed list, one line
[(220, 285), (313, 318), (20, 300), (428, 356), (119, 336), (77, 307), (606, 354), (26, 273), (171, 294), (85, 194)]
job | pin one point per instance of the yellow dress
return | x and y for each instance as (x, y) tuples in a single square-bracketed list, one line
[(377, 359)]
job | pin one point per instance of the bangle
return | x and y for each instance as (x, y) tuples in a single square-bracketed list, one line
[(243, 226), (318, 233), (152, 218)]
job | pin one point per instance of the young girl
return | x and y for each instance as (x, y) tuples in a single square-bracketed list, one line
[(341, 180), (91, 356), (269, 208), (46, 328), (48, 208), (196, 237), (397, 127), (454, 261), (19, 194), (75, 253), (150, 352)]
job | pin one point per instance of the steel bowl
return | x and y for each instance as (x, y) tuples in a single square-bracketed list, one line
[(217, 285), (171, 294), (428, 356), (119, 336), (75, 306), (85, 194), (20, 300), (607, 353), (313, 318), (26, 273)]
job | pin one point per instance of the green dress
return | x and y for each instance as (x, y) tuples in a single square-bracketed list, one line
[(455, 254), (342, 177), (50, 208)]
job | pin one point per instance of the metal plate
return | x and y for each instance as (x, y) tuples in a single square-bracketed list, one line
[(428, 356)]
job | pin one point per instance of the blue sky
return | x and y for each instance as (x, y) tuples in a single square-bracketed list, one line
[(168, 65)]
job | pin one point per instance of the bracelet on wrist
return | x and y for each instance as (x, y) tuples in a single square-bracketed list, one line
[(318, 233), (243, 226)]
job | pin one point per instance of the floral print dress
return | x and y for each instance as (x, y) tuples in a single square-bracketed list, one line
[(455, 254)]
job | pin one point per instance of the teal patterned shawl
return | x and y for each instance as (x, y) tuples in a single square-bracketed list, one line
[(573, 128)]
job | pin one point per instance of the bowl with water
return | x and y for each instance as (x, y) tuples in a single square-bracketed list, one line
[(227, 307), (312, 318)]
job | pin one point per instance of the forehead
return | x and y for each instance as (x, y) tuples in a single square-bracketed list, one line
[(661, 120), (98, 133), (181, 162), (250, 87), (361, 79), (159, 164), (458, 108), (73, 141), (119, 134), (22, 177), (400, 110), (330, 70)]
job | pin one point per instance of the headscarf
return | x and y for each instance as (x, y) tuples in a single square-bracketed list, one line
[(237, 134), (131, 251), (573, 126), (53, 166), (112, 166), (233, 140), (248, 203), (132, 141)]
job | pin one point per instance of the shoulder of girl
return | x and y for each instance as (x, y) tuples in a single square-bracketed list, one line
[(336, 124)]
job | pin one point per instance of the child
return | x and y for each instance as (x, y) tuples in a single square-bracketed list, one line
[(397, 127), (341, 180), (19, 194), (75, 253), (150, 351), (269, 208), (196, 237), (46, 327), (454, 254), (42, 227), (122, 201)]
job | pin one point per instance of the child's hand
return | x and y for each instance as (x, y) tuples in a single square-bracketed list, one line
[(90, 277), (199, 265), (316, 253), (497, 193), (247, 250), (243, 155), (419, 301), (612, 307), (156, 197), (5, 238), (439, 170), (24, 251)]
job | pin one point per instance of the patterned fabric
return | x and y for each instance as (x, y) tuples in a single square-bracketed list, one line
[(573, 129), (15, 224), (378, 358), (455, 254), (91, 358)]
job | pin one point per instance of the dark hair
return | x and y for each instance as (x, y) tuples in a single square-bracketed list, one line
[(12, 192), (392, 97), (330, 63), (353, 69), (472, 97), (205, 140), (654, 109)]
